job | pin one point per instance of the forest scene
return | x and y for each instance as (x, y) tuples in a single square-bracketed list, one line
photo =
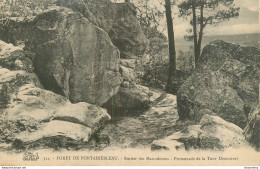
[(99, 75)]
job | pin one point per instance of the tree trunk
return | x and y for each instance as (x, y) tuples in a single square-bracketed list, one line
[(147, 20), (172, 52), (201, 30), (194, 20)]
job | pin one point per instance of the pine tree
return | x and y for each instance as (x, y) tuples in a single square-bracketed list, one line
[(203, 13)]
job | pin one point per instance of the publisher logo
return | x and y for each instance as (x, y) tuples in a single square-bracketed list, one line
[(29, 156)]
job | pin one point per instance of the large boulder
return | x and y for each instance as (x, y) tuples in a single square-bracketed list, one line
[(66, 134), (32, 99), (36, 114), (225, 82), (74, 58), (29, 114), (213, 133), (252, 129), (101, 13), (126, 33)]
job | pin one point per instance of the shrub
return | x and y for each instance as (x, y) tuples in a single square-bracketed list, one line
[(155, 71), (186, 60)]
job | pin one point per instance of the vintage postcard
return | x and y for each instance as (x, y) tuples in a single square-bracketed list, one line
[(129, 83)]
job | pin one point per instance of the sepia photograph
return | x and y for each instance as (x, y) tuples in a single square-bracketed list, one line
[(129, 83)]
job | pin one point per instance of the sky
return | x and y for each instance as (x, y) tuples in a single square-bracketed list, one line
[(247, 22)]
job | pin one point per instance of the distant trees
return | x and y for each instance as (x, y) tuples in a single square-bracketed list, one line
[(203, 13), (171, 41)]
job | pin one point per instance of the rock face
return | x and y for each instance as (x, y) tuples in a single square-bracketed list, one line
[(225, 82), (212, 133), (252, 129), (74, 58), (30, 114), (101, 13), (126, 33)]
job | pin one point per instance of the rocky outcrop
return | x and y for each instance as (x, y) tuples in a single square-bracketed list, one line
[(225, 82), (101, 13), (74, 58), (126, 33), (252, 129), (213, 133), (30, 114), (82, 64), (128, 36), (124, 29)]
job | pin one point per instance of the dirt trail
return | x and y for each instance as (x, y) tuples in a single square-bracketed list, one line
[(140, 131)]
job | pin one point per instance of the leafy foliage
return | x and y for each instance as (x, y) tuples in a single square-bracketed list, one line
[(23, 8), (155, 71), (185, 60), (149, 16), (155, 74)]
